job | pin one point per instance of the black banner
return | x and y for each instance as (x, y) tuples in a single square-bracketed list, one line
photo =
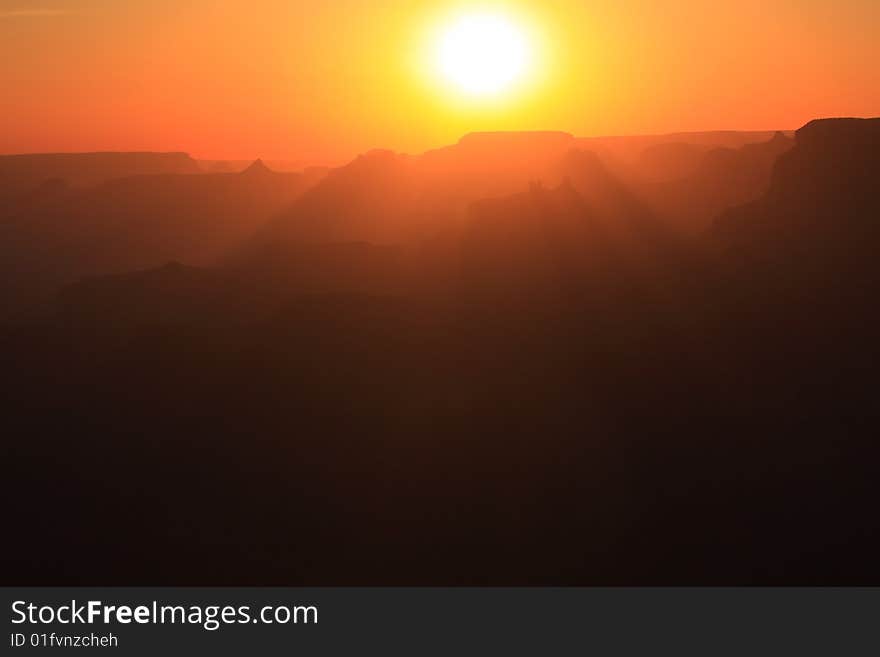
[(412, 621)]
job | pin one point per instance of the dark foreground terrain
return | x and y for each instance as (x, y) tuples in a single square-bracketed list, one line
[(517, 360)]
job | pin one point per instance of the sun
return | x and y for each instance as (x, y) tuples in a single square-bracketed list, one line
[(482, 54)]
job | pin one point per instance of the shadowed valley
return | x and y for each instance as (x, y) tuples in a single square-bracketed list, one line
[(526, 358)]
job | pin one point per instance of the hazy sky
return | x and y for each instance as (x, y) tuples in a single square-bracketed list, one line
[(323, 80)]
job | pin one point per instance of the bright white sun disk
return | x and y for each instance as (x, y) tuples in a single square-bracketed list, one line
[(482, 54)]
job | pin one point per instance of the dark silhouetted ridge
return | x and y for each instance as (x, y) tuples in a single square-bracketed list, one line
[(823, 195), (258, 168), (82, 169)]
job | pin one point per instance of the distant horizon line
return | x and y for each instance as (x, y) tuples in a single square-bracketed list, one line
[(305, 161)]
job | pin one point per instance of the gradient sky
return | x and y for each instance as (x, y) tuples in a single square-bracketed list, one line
[(322, 81)]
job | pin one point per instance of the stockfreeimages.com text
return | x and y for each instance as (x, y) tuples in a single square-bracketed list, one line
[(210, 617)]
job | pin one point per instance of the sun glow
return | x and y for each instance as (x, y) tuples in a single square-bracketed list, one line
[(483, 54)]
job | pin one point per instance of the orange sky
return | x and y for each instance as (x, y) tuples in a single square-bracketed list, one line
[(322, 81)]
